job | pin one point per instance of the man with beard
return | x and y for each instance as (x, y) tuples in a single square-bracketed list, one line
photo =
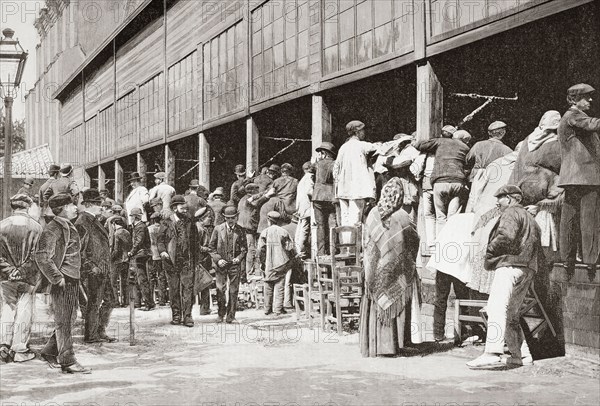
[(59, 258), (95, 269), (513, 251), (178, 247), (19, 235)]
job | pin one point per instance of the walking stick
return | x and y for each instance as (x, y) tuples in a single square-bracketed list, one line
[(131, 310)]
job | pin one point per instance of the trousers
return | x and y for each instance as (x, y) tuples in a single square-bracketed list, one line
[(430, 218), (443, 282), (118, 281), (181, 289), (448, 201), (100, 303), (17, 312), (508, 290), (274, 294), (302, 237), (63, 305), (143, 280), (325, 219), (228, 307), (252, 261), (158, 278), (580, 224)]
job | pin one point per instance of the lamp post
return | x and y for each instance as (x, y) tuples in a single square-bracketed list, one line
[(12, 64)]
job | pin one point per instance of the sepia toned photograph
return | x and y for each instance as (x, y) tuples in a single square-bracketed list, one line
[(300, 202)]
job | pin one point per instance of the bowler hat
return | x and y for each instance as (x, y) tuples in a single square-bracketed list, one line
[(194, 183), (22, 200), (353, 126), (106, 203), (52, 169), (275, 168), (177, 199), (508, 190), (496, 125), (287, 167), (136, 212), (251, 187), (91, 196), (155, 202), (134, 176), (160, 175), (59, 200), (240, 170), (229, 212), (274, 215), (66, 169), (580, 89), (218, 191), (326, 146)]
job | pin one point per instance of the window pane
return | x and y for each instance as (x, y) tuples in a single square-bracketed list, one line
[(303, 17), (331, 33), (256, 20), (257, 66), (278, 56), (268, 36), (403, 33), (364, 47), (291, 19), (347, 54), (278, 79), (267, 14), (257, 87), (268, 62), (290, 50), (278, 31), (364, 17), (346, 4), (383, 12), (303, 70), (383, 40), (331, 60), (291, 77), (277, 9), (347, 25)]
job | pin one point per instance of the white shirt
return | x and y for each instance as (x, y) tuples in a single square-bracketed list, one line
[(164, 192), (354, 179), (303, 193), (137, 198)]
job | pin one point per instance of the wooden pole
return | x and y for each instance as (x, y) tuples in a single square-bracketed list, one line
[(8, 127)]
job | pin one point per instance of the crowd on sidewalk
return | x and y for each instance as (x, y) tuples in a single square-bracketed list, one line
[(521, 209)]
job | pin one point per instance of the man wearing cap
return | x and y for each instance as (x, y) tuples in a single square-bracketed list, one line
[(228, 249), (354, 178), (285, 188), (19, 277), (263, 180), (196, 188), (95, 269), (194, 197), (217, 204), (138, 257), (138, 196), (120, 261), (156, 269), (162, 190), (64, 184), (323, 197), (277, 252), (53, 172), (303, 206), (26, 189), (485, 152), (579, 139), (58, 257), (513, 252), (204, 258), (237, 188), (249, 217), (105, 199), (178, 247)]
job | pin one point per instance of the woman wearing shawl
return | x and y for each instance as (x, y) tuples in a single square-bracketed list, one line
[(536, 173), (391, 282)]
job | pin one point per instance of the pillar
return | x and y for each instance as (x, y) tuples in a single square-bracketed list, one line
[(101, 178), (430, 103), (119, 189), (170, 165), (251, 146), (142, 168), (321, 122), (203, 161)]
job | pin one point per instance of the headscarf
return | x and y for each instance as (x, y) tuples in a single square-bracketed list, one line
[(392, 196), (545, 131)]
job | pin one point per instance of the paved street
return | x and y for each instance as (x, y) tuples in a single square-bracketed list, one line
[(274, 362)]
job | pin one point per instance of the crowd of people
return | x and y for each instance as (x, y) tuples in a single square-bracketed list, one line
[(409, 197)]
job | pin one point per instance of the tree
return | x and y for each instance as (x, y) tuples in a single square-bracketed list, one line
[(18, 136)]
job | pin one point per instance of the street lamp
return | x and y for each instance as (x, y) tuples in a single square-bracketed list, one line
[(12, 64)]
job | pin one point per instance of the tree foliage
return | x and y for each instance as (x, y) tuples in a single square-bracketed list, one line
[(18, 136)]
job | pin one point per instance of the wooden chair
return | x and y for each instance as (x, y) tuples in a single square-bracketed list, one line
[(348, 290), (303, 294)]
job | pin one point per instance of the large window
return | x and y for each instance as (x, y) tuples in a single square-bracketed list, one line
[(280, 47), (152, 110), (224, 75), (182, 94), (127, 116), (357, 31), (106, 132)]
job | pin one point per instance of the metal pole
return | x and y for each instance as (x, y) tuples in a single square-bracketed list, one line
[(8, 103)]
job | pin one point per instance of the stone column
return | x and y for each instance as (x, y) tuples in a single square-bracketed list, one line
[(321, 123), (204, 161), (430, 103), (101, 178), (142, 168), (119, 185), (170, 165), (251, 146)]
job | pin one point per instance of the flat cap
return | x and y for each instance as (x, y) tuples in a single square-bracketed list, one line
[(508, 190), (274, 215), (496, 125), (275, 168), (160, 175), (22, 200), (155, 216), (59, 200), (107, 203), (194, 183), (155, 202), (136, 212), (251, 187), (353, 126), (177, 199), (116, 208), (579, 89), (240, 170), (91, 196), (29, 181), (461, 135), (449, 128), (218, 191), (287, 167), (326, 146)]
